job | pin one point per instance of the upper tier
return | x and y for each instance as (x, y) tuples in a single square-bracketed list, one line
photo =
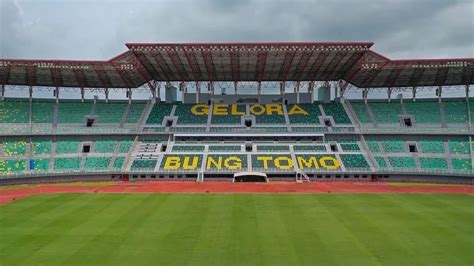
[(47, 116)]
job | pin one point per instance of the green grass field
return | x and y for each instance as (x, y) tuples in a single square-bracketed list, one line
[(238, 229)]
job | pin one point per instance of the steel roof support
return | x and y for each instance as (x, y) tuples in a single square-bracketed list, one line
[(329, 68), (30, 92), (416, 76), (31, 75), (287, 61), (467, 92), (414, 93), (192, 61), (317, 63), (82, 94), (441, 75), (198, 91), (160, 62), (304, 59), (392, 78), (261, 62), (235, 87), (104, 79), (259, 87), (176, 63), (365, 93), (80, 78), (235, 65), (2, 91), (208, 62)]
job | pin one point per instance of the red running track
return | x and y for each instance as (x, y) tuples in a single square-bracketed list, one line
[(7, 196)]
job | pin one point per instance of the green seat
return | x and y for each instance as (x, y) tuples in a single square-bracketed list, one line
[(273, 148), (42, 111), (456, 111), (71, 163), (111, 112), (74, 112), (386, 112), (402, 162), (373, 145), (304, 148), (187, 148), (424, 111), (14, 148), (185, 115), (14, 111), (41, 147), (10, 167), (135, 112), (337, 111), (105, 146), (350, 147), (459, 146), (63, 147), (311, 118), (360, 110), (39, 165), (432, 146), (225, 148), (118, 163), (125, 146), (433, 163), (229, 118), (393, 145), (381, 162), (354, 161), (143, 164), (97, 163), (461, 164)]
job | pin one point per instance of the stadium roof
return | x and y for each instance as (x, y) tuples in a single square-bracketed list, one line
[(282, 61)]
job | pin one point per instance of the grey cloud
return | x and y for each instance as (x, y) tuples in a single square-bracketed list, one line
[(98, 29)]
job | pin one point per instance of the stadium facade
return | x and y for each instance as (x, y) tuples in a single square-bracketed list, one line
[(213, 112)]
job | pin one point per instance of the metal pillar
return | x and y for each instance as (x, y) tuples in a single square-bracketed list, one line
[(235, 87), (158, 90), (311, 90), (414, 94), (282, 88), (365, 93), (56, 94), (106, 92), (467, 91), (297, 88), (3, 91), (129, 95), (259, 88), (30, 91), (198, 91), (440, 93), (82, 94), (210, 87), (389, 94)]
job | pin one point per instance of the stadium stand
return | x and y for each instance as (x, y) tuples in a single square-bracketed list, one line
[(346, 136)]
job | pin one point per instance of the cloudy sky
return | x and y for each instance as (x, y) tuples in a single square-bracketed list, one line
[(91, 29)]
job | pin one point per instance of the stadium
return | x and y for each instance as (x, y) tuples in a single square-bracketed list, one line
[(245, 118)]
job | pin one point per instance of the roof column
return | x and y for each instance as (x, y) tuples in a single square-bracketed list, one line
[(282, 88), (106, 92), (389, 94), (235, 87), (129, 95), (311, 90), (467, 91), (56, 94), (2, 90), (82, 94), (210, 87), (414, 93), (365, 93), (30, 91), (153, 90), (158, 90), (198, 91), (259, 87), (297, 88), (439, 92)]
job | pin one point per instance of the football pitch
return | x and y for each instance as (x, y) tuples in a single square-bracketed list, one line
[(238, 229)]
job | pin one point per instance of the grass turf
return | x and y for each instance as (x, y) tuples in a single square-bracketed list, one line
[(238, 229)]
